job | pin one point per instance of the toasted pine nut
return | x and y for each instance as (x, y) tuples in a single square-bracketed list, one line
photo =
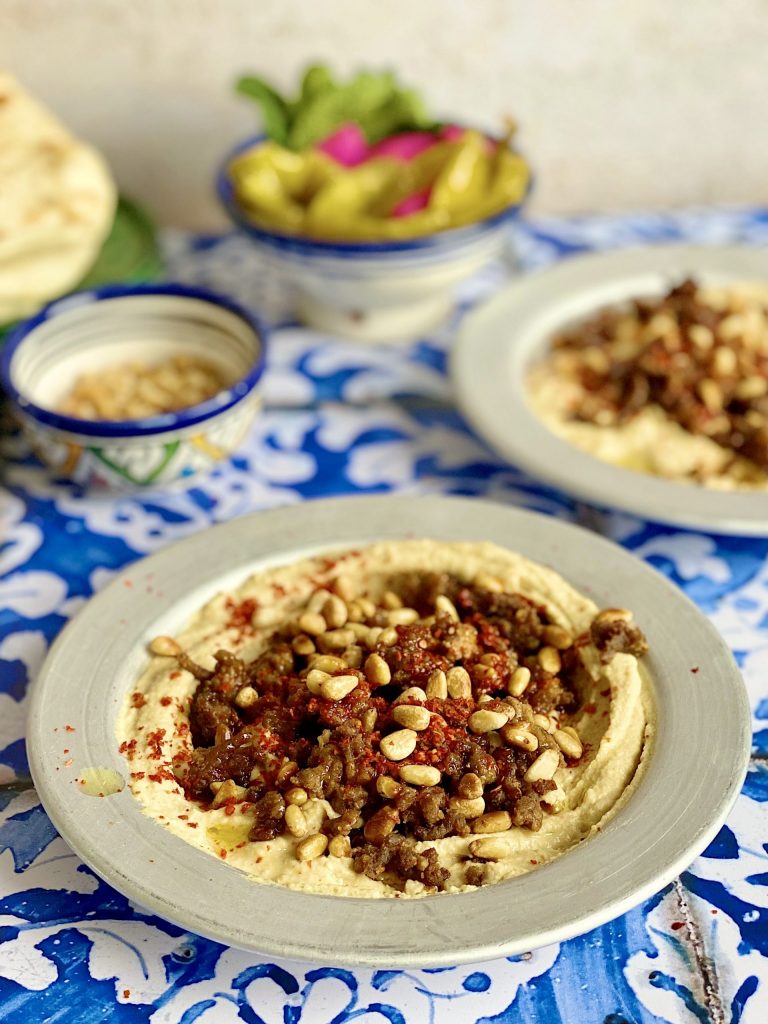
[(445, 606), (369, 719), (287, 769), (165, 646), (335, 640), (549, 659), (312, 623), (367, 607), (409, 694), (388, 636), (360, 630), (335, 612), (411, 717), (470, 786), (338, 687), (544, 722), (311, 847), (558, 637), (315, 679), (387, 787), (340, 846), (469, 808), (353, 656), (569, 744), (486, 582), (344, 587), (402, 616), (372, 636), (486, 721), (377, 671), (489, 848), (493, 821), (381, 824), (327, 662), (296, 795), (459, 683), (484, 698), (246, 697), (303, 645), (228, 790), (554, 799), (390, 600), (317, 601), (420, 774), (295, 821), (355, 613), (437, 685), (614, 615), (519, 736), (398, 745), (544, 767), (518, 681)]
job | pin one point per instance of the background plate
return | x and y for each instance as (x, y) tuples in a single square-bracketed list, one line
[(501, 339), (676, 811)]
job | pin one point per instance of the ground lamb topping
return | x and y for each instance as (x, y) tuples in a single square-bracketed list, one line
[(440, 710), (704, 363)]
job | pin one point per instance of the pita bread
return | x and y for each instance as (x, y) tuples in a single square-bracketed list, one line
[(57, 202)]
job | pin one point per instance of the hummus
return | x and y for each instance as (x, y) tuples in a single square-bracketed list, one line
[(615, 721)]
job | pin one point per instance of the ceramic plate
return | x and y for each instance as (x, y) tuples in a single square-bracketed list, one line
[(675, 812), (501, 339)]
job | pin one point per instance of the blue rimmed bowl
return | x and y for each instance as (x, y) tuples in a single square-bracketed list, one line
[(372, 291), (116, 324)]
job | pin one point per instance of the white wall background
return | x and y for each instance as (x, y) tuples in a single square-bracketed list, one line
[(622, 103)]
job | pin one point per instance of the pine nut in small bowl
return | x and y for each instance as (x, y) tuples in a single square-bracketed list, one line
[(136, 385)]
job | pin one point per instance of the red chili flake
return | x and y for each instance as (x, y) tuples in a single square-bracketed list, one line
[(229, 809), (126, 993), (68, 763), (677, 925), (241, 614), (69, 728), (279, 590), (534, 862), (184, 817), (174, 675), (154, 742), (259, 860), (128, 748), (589, 709), (714, 911), (138, 700), (66, 750), (191, 824), (695, 669), (223, 853), (165, 701), (155, 777), (127, 583), (605, 693), (138, 775)]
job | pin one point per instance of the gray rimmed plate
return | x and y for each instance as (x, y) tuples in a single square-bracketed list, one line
[(501, 339), (677, 809)]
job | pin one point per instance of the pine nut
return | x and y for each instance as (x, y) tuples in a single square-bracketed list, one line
[(570, 745), (165, 646), (312, 623), (353, 656), (380, 825), (360, 630), (437, 685), (315, 679), (387, 787), (402, 616), (335, 640), (493, 821), (420, 774), (228, 790), (398, 745), (388, 637), (335, 612), (468, 808), (554, 799), (558, 637), (411, 717), (459, 683), (295, 821), (470, 787), (519, 736), (246, 697), (340, 846), (311, 847), (316, 601), (338, 687), (518, 682), (751, 387), (377, 671), (409, 694), (373, 635), (390, 600), (355, 613), (486, 721), (484, 698), (445, 606), (485, 582), (367, 607), (327, 662), (303, 645), (287, 769), (489, 848), (544, 767), (543, 722), (614, 615), (296, 795), (549, 659), (369, 719), (344, 587)]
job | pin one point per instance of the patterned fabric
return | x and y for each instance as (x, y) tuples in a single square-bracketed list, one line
[(343, 418)]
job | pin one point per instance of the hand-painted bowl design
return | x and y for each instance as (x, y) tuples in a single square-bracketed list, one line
[(116, 324)]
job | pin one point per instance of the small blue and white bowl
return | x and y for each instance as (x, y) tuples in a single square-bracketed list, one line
[(109, 326), (373, 291)]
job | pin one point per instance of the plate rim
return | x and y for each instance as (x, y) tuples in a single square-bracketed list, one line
[(496, 407), (389, 912)]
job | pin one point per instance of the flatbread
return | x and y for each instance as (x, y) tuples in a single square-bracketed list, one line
[(57, 203)]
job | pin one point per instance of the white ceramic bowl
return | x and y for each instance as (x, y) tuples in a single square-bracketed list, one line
[(91, 330), (373, 291)]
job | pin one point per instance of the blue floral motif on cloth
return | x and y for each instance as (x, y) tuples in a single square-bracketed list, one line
[(339, 419)]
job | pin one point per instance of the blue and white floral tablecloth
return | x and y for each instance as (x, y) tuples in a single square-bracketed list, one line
[(342, 418)]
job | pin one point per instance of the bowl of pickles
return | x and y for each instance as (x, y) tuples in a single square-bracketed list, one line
[(374, 210)]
